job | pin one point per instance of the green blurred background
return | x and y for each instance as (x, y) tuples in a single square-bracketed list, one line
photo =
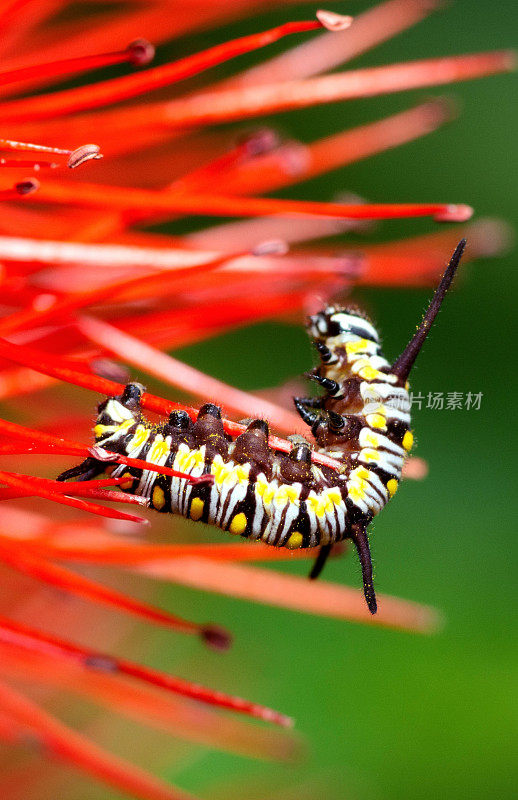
[(390, 715)]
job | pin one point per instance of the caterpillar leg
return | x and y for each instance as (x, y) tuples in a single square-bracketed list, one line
[(320, 561), (306, 408), (85, 471), (361, 542)]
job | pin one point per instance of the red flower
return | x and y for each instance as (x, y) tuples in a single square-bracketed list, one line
[(84, 280)]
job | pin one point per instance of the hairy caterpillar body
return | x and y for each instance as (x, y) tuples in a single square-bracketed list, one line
[(284, 500)]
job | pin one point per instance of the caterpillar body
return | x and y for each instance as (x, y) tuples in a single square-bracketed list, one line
[(285, 500)]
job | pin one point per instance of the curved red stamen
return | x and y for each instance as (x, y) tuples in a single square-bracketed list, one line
[(118, 89), (31, 639)]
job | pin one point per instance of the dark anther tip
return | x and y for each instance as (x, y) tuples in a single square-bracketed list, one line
[(211, 410), (260, 141), (27, 186), (215, 637), (179, 419), (140, 52), (101, 663)]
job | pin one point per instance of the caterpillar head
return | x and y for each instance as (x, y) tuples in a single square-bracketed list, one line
[(338, 323)]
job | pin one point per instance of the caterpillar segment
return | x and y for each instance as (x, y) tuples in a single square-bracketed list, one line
[(284, 500)]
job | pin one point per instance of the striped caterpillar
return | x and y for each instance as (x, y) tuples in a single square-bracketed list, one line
[(363, 420)]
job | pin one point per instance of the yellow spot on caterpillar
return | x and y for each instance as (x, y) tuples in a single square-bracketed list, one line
[(286, 494), (376, 421), (372, 439), (242, 472), (198, 457), (128, 481), (295, 540), (260, 486), (351, 348), (369, 373), (335, 496), (319, 504), (313, 503), (362, 473), (158, 498), (100, 430), (327, 502), (392, 485), (218, 469), (196, 510), (139, 437), (238, 524), (408, 440), (357, 491), (158, 451), (268, 495)]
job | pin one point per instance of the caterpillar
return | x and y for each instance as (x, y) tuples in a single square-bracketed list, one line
[(285, 500)]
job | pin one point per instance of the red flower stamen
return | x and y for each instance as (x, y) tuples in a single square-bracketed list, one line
[(114, 91), (80, 586), (370, 28), (293, 592), (139, 53), (115, 553), (20, 189), (80, 155), (30, 639), (26, 717), (170, 370), (123, 199), (244, 103), (40, 487)]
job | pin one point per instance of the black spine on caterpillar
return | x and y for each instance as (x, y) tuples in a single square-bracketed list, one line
[(362, 420)]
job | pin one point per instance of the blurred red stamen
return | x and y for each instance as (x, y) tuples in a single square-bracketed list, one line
[(28, 718), (294, 592), (128, 553), (133, 351), (36, 641), (20, 189), (167, 712), (273, 170), (233, 104), (80, 586), (152, 284), (375, 25)]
